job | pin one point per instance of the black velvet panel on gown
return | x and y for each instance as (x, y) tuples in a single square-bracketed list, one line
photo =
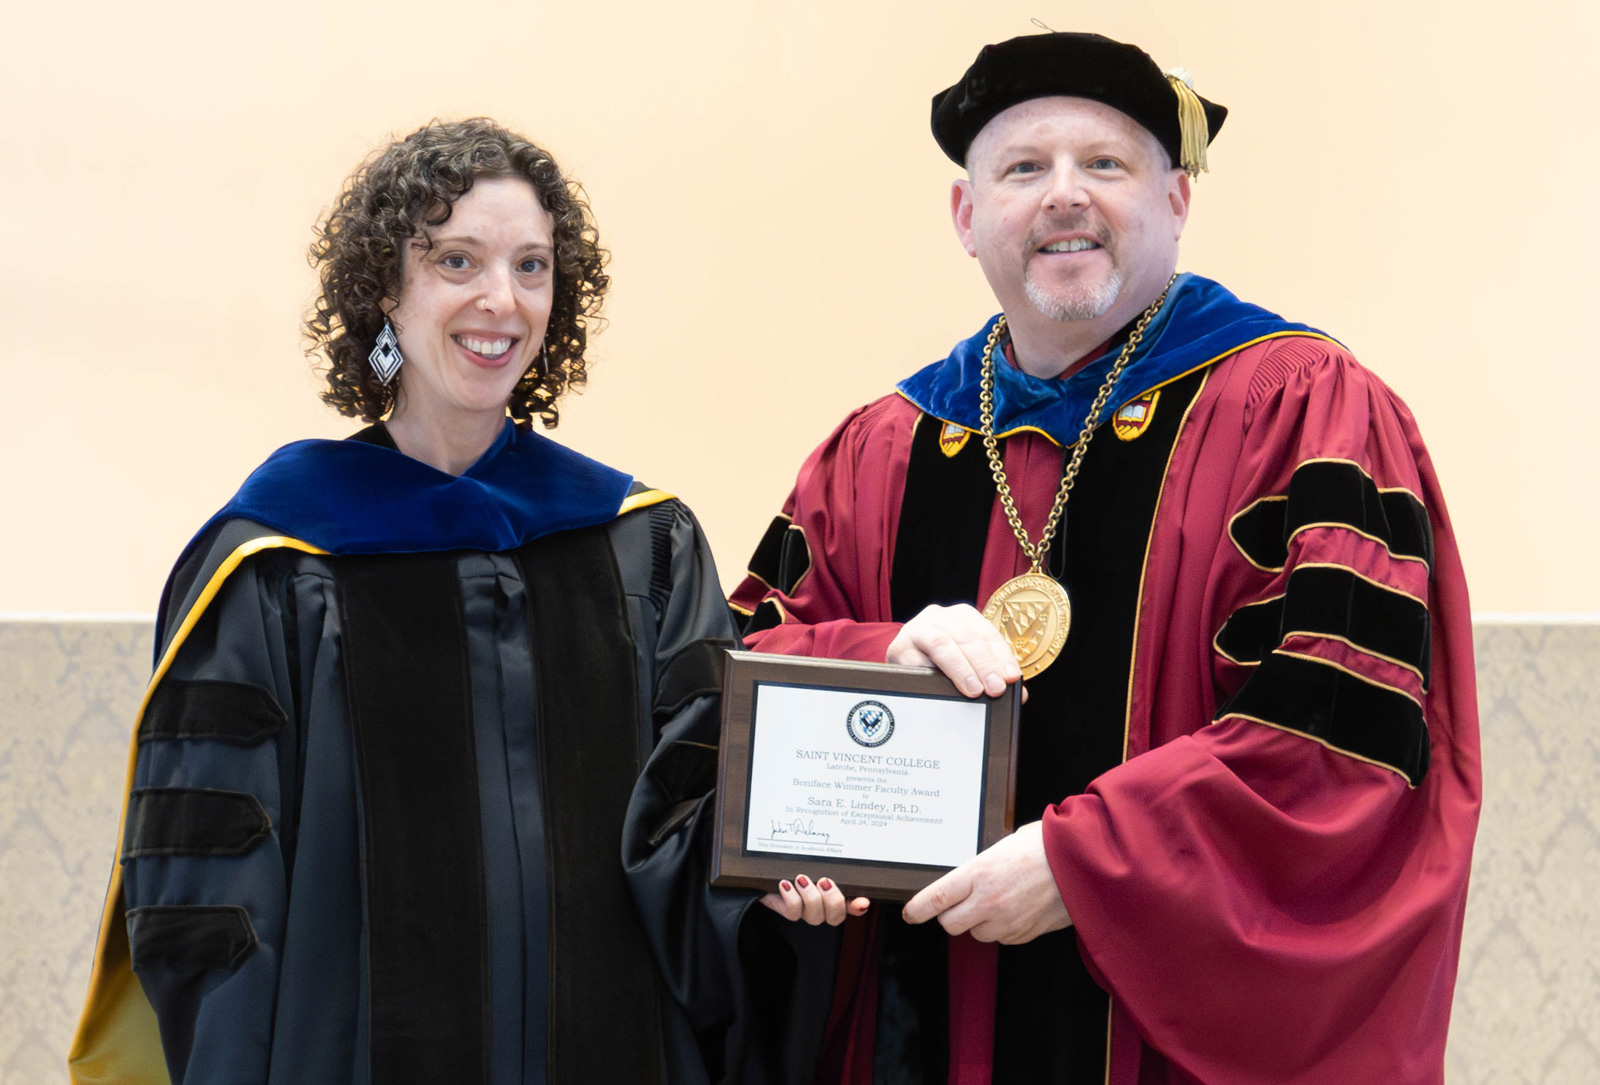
[(1051, 1017)]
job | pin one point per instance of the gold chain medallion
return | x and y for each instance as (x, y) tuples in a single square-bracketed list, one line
[(1033, 613)]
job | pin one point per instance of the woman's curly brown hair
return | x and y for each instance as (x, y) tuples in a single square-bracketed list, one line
[(389, 201)]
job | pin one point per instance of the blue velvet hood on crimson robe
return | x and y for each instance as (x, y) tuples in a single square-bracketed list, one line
[(1201, 322)]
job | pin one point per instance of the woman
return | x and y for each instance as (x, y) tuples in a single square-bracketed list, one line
[(405, 685)]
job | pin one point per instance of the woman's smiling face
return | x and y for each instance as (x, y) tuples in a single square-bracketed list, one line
[(474, 301)]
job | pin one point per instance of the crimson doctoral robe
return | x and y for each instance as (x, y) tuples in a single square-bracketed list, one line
[(1268, 877)]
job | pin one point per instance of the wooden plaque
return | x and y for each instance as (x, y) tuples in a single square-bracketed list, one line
[(876, 776)]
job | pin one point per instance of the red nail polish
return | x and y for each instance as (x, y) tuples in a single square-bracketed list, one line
[(786, 887), (802, 882), (825, 885)]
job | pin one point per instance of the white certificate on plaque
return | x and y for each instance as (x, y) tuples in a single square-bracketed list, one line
[(873, 777)]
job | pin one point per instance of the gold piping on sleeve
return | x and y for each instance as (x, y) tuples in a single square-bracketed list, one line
[(1216, 641), (1330, 523), (1356, 530), (810, 564), (1319, 741), (1348, 463), (1234, 539), (1321, 523), (1352, 463), (1357, 675), (1361, 576), (751, 573), (1346, 641), (108, 1000), (770, 597)]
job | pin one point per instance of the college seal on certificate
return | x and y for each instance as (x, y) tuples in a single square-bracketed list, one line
[(870, 723)]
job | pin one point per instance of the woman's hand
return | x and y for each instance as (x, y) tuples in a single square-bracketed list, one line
[(816, 902)]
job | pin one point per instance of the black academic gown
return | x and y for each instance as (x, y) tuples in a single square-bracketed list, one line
[(383, 824)]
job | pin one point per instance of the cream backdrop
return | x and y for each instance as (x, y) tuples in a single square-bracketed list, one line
[(1416, 178)]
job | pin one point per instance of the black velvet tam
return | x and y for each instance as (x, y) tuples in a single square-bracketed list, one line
[(1076, 65)]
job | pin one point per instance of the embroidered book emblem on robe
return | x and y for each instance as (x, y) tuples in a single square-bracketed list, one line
[(1135, 416), (953, 438)]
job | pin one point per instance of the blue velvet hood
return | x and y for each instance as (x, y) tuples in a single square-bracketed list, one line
[(350, 497), (1200, 323)]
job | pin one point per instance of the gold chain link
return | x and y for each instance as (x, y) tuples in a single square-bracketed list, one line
[(1037, 552)]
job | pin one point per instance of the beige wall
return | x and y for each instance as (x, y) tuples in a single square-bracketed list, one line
[(1417, 178)]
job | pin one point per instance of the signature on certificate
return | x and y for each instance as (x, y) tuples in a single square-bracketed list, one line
[(798, 827)]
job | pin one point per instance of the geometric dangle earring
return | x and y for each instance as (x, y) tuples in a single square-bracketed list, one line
[(385, 357)]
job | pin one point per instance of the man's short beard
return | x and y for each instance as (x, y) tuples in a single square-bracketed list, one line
[(1077, 303)]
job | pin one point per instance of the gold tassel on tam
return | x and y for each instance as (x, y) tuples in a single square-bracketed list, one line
[(1195, 134)]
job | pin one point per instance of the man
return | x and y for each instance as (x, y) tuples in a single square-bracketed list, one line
[(1248, 778)]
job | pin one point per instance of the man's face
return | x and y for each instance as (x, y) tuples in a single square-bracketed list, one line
[(1072, 210)]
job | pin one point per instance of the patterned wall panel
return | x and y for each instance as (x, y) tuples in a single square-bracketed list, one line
[(67, 693), (1527, 1008)]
